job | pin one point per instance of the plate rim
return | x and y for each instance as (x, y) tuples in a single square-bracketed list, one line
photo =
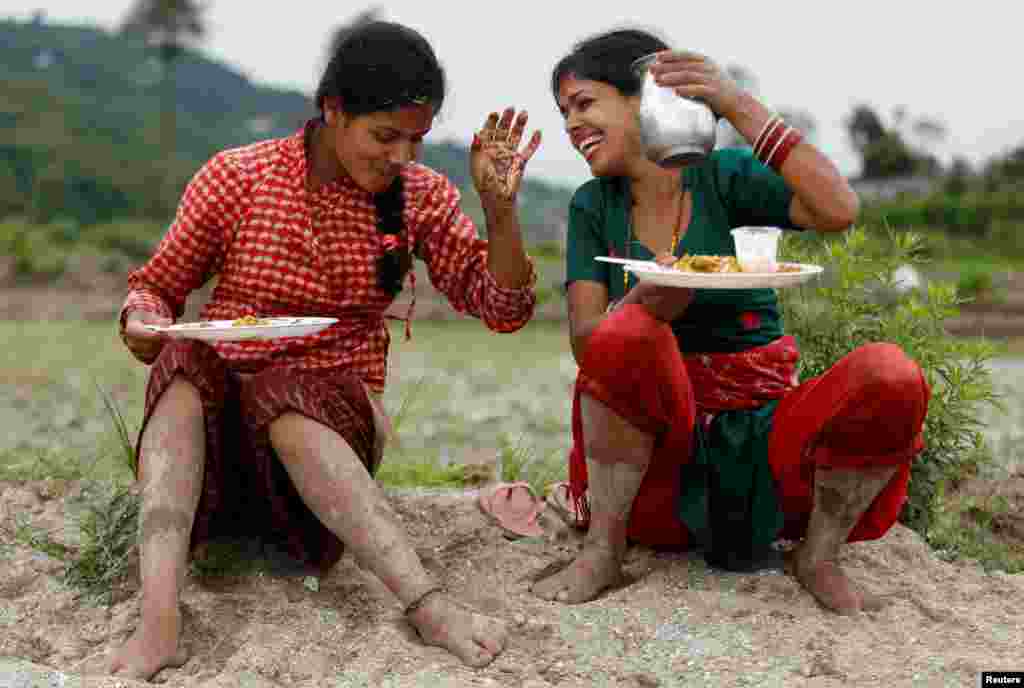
[(747, 280), (192, 327)]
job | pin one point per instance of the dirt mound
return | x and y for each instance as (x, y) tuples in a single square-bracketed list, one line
[(675, 623)]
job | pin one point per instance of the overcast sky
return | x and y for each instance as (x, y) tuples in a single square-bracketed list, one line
[(959, 63)]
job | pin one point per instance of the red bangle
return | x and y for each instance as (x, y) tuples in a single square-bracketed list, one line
[(785, 147), (771, 142), (777, 126), (769, 123)]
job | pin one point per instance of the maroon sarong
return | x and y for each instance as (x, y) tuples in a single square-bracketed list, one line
[(246, 490)]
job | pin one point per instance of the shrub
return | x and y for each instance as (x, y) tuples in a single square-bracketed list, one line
[(974, 282), (835, 315)]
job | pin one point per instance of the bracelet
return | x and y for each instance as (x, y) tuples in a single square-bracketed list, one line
[(771, 129), (770, 141), (767, 153), (418, 602), (784, 148), (764, 130)]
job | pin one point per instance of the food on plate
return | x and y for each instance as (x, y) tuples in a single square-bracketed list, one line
[(249, 321), (689, 263)]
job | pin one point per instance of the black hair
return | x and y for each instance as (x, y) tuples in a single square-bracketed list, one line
[(608, 57), (382, 66), (395, 263)]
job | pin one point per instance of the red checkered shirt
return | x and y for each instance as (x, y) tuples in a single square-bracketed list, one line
[(281, 250)]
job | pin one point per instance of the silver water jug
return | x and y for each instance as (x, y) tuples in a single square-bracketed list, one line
[(674, 131)]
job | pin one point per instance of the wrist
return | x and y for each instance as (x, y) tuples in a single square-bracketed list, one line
[(498, 211), (774, 142), (748, 115), (733, 107)]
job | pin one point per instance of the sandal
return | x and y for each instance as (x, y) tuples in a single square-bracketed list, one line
[(514, 508), (560, 501)]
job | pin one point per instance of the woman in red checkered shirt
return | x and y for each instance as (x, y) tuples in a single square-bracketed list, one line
[(282, 437)]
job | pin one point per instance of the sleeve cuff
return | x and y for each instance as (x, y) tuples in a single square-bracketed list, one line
[(141, 300), (509, 308)]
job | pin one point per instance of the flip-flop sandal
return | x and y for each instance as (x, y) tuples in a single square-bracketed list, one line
[(514, 508), (560, 501)]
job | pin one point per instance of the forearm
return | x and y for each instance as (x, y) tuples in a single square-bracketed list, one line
[(664, 303), (506, 254), (814, 179), (579, 335)]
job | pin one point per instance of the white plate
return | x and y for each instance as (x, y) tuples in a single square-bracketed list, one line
[(224, 331), (622, 261), (670, 277)]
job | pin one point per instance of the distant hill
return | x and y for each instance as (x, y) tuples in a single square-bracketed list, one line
[(80, 128)]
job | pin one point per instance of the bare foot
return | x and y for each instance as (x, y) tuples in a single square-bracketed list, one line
[(474, 638), (595, 569), (151, 648), (827, 582)]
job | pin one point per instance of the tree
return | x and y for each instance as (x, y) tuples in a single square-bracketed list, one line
[(959, 177), (865, 128), (168, 26), (1005, 171), (885, 151)]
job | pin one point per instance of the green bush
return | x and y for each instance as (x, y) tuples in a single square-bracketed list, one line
[(974, 214), (39, 251), (842, 311), (974, 282)]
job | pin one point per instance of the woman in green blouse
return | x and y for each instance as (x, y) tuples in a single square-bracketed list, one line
[(689, 423)]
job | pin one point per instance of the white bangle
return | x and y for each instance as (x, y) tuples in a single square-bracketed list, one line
[(760, 147), (778, 143), (767, 123)]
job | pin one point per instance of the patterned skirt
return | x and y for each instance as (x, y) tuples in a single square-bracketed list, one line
[(246, 490)]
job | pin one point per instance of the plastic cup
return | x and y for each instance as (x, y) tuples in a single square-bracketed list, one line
[(757, 248)]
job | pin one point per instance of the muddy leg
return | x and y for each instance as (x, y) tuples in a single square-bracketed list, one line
[(173, 454), (337, 487), (841, 496), (617, 458)]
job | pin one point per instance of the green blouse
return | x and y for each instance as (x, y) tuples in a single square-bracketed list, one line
[(730, 188)]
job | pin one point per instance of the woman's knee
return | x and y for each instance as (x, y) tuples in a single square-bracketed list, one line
[(183, 395), (886, 401), (630, 336), (884, 367)]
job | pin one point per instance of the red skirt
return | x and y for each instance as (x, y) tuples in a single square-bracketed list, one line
[(867, 410), (246, 490)]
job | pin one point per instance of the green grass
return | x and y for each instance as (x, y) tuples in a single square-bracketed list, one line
[(965, 529), (456, 389)]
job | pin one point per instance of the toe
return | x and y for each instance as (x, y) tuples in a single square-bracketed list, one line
[(474, 654), (493, 637)]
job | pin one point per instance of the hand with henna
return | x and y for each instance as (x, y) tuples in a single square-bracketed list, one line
[(495, 160)]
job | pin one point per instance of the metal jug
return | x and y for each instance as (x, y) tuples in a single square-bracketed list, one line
[(674, 130)]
